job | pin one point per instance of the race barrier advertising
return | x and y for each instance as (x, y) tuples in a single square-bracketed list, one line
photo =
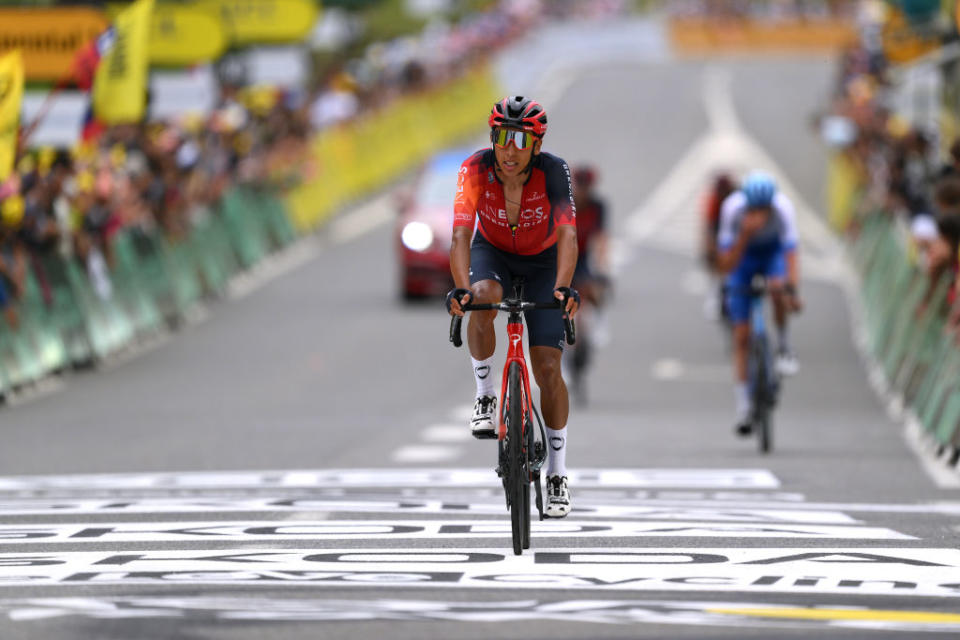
[(49, 38), (367, 154)]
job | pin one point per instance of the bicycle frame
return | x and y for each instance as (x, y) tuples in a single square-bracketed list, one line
[(515, 354)]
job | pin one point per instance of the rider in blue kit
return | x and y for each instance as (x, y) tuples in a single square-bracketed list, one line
[(758, 236)]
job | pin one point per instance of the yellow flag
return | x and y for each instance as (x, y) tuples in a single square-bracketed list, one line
[(120, 86), (11, 93)]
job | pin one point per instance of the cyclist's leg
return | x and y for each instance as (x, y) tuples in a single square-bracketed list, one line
[(545, 332), (776, 275), (488, 274)]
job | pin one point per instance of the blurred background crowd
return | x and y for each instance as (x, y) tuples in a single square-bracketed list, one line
[(898, 141), (162, 174)]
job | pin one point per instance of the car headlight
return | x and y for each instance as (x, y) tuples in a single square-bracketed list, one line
[(417, 236)]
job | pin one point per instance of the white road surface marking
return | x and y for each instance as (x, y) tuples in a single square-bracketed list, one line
[(260, 530), (389, 477), (424, 453), (860, 571)]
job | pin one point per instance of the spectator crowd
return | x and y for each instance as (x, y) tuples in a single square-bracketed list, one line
[(161, 177), (900, 168)]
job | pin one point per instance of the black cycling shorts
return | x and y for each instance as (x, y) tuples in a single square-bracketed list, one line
[(544, 326)]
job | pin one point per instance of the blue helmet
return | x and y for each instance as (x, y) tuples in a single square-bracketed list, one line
[(759, 188)]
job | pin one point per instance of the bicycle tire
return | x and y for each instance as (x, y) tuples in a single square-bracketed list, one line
[(519, 507), (761, 394), (526, 478)]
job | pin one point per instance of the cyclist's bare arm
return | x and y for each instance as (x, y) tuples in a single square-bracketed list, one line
[(460, 263), (566, 261)]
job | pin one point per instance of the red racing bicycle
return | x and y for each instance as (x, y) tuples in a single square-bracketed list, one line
[(520, 449)]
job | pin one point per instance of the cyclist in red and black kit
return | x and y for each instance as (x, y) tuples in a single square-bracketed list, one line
[(520, 200)]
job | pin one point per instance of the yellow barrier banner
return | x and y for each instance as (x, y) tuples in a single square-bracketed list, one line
[(119, 89), (184, 35), (49, 38), (263, 21), (358, 157), (11, 94)]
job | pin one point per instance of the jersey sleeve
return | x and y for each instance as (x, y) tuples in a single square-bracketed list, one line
[(468, 193), (730, 211), (560, 193), (789, 236)]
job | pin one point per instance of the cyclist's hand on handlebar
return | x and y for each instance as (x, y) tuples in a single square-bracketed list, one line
[(792, 299), (456, 298), (570, 299)]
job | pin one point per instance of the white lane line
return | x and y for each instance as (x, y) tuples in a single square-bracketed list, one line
[(668, 218), (260, 530), (462, 413), (672, 369), (272, 267), (693, 478), (446, 433), (425, 453), (861, 571), (362, 220)]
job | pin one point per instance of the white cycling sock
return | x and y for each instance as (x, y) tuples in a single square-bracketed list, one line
[(557, 452), (783, 338), (742, 394), (483, 372)]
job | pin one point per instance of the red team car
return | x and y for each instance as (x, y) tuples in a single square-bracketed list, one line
[(423, 228)]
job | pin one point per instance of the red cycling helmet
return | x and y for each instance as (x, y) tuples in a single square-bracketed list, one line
[(518, 112)]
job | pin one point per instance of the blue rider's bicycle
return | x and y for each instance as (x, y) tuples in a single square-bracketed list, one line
[(762, 377)]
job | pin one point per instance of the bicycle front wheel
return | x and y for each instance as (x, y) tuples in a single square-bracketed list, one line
[(517, 485)]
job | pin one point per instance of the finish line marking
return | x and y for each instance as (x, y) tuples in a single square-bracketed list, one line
[(583, 478)]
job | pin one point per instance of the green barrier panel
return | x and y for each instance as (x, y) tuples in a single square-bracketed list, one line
[(918, 351), (277, 218), (212, 253), (939, 391), (947, 430), (944, 349), (43, 341), (910, 327), (243, 228), (67, 314), (130, 287)]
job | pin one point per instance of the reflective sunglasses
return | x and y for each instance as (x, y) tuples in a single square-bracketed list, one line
[(522, 140)]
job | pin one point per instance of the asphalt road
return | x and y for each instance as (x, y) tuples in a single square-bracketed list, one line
[(298, 465)]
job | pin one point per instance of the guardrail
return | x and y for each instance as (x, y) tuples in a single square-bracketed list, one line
[(905, 330)]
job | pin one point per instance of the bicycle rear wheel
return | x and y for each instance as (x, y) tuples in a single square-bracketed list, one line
[(762, 391)]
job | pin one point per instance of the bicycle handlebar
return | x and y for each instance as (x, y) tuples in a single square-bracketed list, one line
[(569, 329)]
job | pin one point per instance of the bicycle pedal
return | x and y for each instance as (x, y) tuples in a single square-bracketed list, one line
[(485, 435)]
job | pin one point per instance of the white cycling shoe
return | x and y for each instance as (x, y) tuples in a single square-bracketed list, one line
[(484, 412), (558, 497), (787, 364)]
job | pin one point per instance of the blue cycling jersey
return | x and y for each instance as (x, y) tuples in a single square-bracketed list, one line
[(778, 236)]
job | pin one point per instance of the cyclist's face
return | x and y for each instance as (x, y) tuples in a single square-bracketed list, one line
[(513, 161)]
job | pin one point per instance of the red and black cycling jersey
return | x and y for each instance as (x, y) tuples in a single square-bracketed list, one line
[(546, 203), (591, 219)]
